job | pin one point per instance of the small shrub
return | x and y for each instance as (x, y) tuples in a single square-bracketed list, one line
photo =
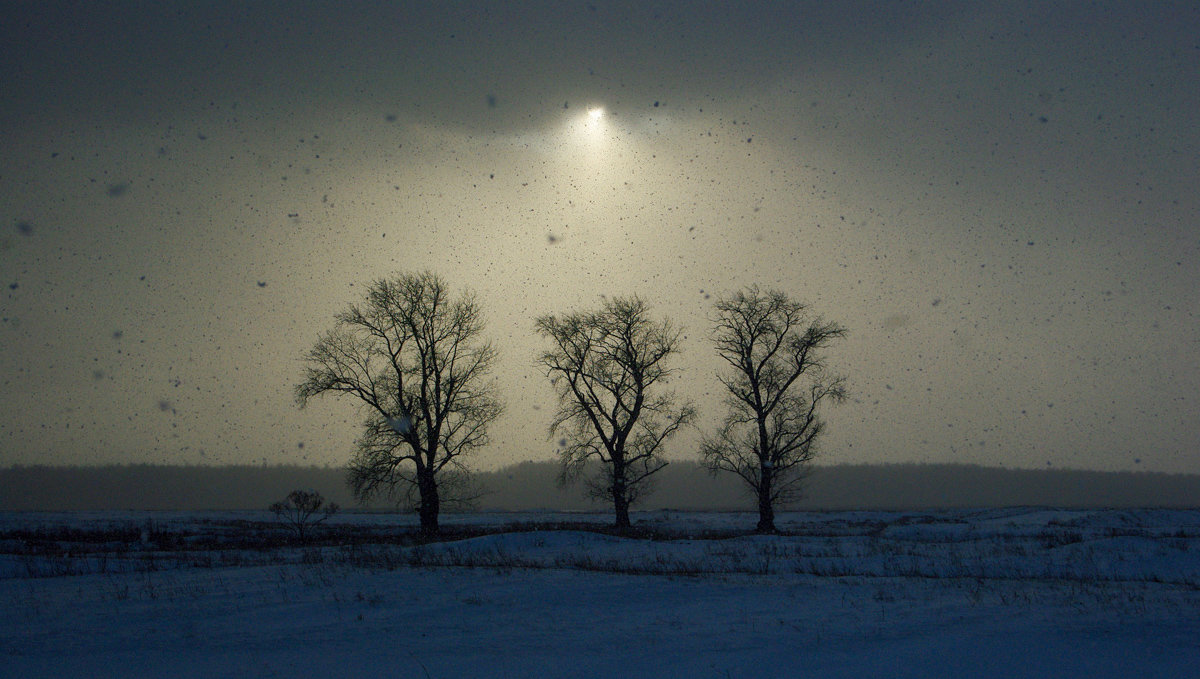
[(303, 509)]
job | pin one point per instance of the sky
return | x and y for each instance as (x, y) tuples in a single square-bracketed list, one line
[(998, 201)]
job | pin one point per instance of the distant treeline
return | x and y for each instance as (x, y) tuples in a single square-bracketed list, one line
[(533, 485)]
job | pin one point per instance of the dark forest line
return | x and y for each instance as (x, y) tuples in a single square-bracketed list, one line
[(533, 485)]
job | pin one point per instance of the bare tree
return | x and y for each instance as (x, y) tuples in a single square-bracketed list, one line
[(415, 360), (607, 367), (303, 509), (778, 381)]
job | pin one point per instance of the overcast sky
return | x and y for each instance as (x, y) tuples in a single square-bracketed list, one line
[(998, 201)]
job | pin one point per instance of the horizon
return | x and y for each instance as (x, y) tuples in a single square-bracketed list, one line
[(530, 486)]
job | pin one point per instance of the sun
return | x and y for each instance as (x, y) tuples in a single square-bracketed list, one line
[(595, 113)]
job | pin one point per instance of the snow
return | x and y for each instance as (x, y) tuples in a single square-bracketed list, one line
[(1002, 593)]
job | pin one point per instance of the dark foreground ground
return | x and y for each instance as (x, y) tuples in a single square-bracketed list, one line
[(1015, 592)]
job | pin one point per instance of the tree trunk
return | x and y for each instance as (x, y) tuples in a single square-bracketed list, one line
[(766, 511), (430, 503), (621, 505), (620, 501)]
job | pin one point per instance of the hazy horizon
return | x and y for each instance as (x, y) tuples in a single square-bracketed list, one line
[(530, 485), (998, 201)]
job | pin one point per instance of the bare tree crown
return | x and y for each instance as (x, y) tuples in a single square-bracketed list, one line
[(414, 359), (778, 380), (607, 367)]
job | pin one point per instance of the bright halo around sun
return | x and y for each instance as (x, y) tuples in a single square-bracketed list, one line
[(594, 120), (588, 125)]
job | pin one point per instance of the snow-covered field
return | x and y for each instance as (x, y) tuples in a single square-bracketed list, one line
[(1000, 593)]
